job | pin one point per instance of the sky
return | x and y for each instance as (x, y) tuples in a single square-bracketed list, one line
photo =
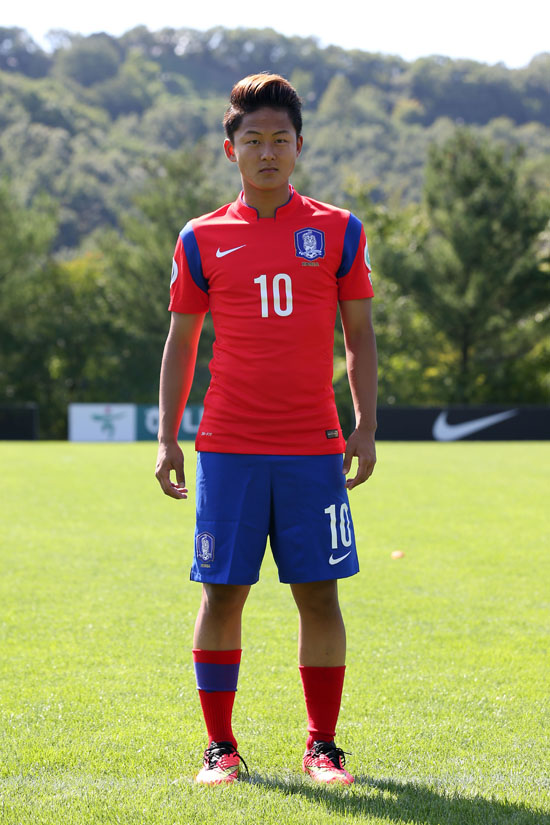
[(489, 31)]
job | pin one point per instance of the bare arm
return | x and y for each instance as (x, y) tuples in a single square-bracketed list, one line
[(176, 376), (361, 362)]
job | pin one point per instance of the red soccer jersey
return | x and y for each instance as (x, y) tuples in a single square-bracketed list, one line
[(272, 286)]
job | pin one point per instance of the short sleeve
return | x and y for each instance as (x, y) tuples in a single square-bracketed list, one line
[(188, 286), (353, 275)]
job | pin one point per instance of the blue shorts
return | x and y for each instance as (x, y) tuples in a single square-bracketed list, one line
[(299, 502)]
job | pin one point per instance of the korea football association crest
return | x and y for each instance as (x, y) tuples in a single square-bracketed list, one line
[(309, 243), (204, 549)]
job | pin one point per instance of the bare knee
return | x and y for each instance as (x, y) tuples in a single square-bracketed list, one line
[(320, 598), (224, 600)]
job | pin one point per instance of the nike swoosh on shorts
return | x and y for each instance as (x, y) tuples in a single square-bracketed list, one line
[(443, 431), (332, 560)]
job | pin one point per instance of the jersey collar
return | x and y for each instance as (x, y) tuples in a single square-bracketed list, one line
[(242, 210)]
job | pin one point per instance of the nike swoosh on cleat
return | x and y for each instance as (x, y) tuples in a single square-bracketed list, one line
[(443, 431), (220, 254), (332, 560)]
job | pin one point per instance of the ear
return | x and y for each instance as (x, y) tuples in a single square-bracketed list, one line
[(299, 144), (229, 150)]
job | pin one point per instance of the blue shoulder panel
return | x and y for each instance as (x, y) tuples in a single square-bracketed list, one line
[(193, 255), (351, 245)]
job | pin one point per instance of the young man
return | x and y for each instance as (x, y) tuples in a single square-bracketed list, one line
[(272, 268)]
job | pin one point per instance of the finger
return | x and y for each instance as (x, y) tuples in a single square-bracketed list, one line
[(348, 455), (180, 474), (359, 475), (177, 490), (364, 471)]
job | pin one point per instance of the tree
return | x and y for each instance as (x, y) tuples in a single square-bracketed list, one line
[(413, 355), (137, 266), (26, 297), (19, 53), (135, 87), (89, 60), (335, 102), (482, 276)]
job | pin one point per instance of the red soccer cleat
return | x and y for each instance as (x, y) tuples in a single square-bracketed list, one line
[(324, 762), (220, 765)]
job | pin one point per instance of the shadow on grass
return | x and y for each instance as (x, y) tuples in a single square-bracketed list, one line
[(405, 801)]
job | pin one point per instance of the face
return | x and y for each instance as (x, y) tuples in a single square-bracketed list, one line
[(265, 148)]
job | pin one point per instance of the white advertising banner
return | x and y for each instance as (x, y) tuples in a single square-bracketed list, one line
[(102, 422)]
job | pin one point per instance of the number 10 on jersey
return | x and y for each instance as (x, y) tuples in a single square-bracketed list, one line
[(281, 283)]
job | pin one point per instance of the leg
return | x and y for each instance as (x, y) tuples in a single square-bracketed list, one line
[(218, 625), (233, 503), (322, 635), (217, 654), (314, 545), (322, 656)]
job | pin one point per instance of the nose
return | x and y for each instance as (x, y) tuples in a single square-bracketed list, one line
[(268, 151)]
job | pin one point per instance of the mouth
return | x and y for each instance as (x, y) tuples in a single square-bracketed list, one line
[(269, 169)]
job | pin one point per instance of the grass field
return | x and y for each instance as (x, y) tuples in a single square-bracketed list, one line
[(446, 701)]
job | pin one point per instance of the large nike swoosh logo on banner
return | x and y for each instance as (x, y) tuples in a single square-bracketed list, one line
[(443, 431), (332, 560), (220, 254)]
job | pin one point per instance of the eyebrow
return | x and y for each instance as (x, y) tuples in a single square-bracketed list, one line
[(278, 132)]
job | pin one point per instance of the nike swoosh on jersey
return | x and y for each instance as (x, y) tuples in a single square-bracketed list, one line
[(332, 560), (220, 254), (443, 431)]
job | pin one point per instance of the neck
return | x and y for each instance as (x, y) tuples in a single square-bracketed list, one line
[(266, 202)]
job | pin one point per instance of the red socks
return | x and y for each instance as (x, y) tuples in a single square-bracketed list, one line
[(323, 695), (217, 709), (217, 673)]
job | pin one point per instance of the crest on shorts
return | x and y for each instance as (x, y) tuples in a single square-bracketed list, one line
[(309, 243), (204, 547)]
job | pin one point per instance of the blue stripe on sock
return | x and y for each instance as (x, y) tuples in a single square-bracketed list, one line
[(211, 677)]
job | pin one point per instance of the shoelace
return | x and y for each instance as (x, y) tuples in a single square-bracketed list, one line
[(332, 753), (216, 750)]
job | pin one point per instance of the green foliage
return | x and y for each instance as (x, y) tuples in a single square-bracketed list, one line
[(124, 134), (413, 354), (335, 102), (368, 114), (134, 88), (59, 335), (89, 60), (19, 53), (138, 267), (27, 299), (462, 283), (482, 273)]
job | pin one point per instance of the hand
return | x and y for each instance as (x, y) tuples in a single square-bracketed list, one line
[(170, 457), (360, 444)]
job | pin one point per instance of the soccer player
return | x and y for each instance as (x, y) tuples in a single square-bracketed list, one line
[(272, 267)]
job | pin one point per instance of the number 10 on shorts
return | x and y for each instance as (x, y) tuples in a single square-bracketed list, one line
[(345, 525)]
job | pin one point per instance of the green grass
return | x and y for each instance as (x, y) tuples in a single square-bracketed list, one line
[(445, 705)]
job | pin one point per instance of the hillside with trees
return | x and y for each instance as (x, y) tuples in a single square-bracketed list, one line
[(108, 145)]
